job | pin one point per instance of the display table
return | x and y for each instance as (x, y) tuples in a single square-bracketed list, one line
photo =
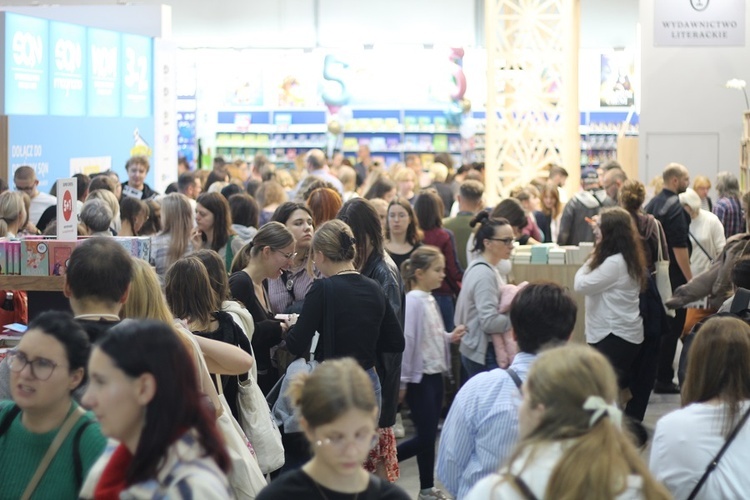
[(44, 292), (564, 275)]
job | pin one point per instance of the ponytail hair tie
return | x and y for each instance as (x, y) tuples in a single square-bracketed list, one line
[(602, 409)]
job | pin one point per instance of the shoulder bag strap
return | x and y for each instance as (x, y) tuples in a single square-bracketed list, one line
[(516, 379), (52, 451), (524, 488), (659, 229), (700, 246), (715, 462)]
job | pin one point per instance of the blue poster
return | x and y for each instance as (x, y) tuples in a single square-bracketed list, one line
[(136, 76), (57, 145), (67, 69), (26, 65), (104, 87)]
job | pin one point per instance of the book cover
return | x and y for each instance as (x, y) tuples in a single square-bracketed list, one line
[(60, 252), (35, 258)]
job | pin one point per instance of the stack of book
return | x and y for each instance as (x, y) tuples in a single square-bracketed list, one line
[(539, 254), (556, 256), (521, 255)]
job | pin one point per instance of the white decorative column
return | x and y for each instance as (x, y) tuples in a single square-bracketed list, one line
[(532, 101)]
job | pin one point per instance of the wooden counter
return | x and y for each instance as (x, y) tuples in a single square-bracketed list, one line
[(564, 275), (32, 283)]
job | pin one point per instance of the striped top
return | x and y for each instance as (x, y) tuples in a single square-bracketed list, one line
[(481, 430)]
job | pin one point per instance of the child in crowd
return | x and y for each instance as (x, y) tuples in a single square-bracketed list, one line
[(426, 358)]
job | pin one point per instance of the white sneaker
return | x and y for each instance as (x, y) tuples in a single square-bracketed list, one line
[(433, 494), (398, 427)]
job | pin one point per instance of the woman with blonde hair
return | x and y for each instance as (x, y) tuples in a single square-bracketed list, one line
[(12, 214), (338, 413), (548, 217), (715, 404), (173, 242), (265, 258), (571, 445), (270, 195), (702, 185), (406, 181)]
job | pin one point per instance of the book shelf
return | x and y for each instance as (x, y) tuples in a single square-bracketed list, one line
[(32, 283)]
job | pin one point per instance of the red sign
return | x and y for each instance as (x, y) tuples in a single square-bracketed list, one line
[(67, 205)]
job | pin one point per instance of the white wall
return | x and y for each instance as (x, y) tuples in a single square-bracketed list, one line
[(687, 114)]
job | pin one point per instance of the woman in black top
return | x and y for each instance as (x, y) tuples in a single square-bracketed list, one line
[(266, 257), (363, 322), (191, 298)]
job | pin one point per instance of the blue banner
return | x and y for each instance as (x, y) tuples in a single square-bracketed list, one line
[(136, 76), (104, 86), (67, 67), (26, 65)]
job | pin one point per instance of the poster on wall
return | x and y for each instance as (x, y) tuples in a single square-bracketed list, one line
[(699, 23), (616, 80), (67, 69), (26, 65), (136, 76), (103, 73)]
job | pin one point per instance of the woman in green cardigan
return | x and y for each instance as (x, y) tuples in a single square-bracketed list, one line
[(47, 442)]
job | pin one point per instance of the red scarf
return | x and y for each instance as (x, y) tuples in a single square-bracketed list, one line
[(112, 481)]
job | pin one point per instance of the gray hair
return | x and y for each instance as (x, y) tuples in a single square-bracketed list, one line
[(97, 215), (727, 185)]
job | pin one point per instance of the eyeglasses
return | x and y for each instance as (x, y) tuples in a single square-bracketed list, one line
[(289, 256), (41, 368), (340, 443), (507, 241)]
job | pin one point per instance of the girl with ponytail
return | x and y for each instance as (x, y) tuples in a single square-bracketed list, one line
[(572, 445), (426, 358)]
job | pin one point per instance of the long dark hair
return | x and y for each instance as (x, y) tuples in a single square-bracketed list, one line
[(219, 207), (619, 235), (364, 221), (429, 209), (147, 346), (413, 233), (286, 209)]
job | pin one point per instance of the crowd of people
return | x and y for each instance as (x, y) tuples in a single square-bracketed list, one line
[(392, 287)]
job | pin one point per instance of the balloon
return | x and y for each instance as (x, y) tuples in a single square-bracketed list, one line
[(459, 79), (334, 127), (465, 105), (333, 71)]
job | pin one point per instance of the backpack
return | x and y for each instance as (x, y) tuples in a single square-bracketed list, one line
[(77, 464)]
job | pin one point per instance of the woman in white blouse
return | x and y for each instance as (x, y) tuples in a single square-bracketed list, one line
[(571, 444), (715, 396), (612, 280)]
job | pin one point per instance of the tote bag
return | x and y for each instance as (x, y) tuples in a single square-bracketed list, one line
[(259, 425), (245, 478), (661, 275)]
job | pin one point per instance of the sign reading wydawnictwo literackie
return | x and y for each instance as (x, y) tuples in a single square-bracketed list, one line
[(699, 23)]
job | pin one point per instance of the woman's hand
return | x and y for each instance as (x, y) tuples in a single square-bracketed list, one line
[(594, 223), (459, 332), (196, 239)]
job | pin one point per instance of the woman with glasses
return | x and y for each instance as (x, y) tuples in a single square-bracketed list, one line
[(402, 233), (48, 364), (286, 293), (477, 304), (213, 227), (612, 280), (265, 258), (338, 414)]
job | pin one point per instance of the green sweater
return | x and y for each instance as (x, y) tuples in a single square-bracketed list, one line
[(21, 451)]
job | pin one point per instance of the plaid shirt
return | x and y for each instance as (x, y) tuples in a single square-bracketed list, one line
[(729, 212)]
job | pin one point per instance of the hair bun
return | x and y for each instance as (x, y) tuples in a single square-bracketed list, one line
[(479, 218), (346, 240)]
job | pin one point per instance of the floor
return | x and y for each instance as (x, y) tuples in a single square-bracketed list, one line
[(658, 405)]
